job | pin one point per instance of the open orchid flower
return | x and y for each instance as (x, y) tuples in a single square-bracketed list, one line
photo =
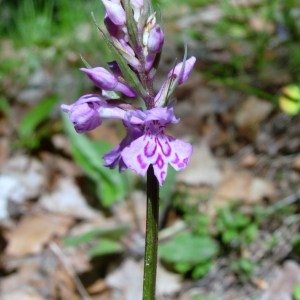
[(154, 146)]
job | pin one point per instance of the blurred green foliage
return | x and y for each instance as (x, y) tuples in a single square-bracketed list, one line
[(103, 241), (32, 128), (235, 228), (296, 292), (32, 22), (189, 252), (111, 185)]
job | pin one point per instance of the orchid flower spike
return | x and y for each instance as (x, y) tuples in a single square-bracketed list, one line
[(135, 40)]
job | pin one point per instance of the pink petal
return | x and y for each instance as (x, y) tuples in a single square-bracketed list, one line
[(134, 155), (188, 66), (160, 168), (181, 154)]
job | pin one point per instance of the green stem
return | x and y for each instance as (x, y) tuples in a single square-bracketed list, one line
[(150, 260)]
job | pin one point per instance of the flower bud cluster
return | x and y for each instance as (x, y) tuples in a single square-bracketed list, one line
[(150, 37), (136, 41)]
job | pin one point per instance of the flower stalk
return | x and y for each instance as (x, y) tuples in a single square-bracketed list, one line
[(151, 239)]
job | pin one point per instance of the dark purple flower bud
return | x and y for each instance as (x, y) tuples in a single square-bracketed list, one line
[(114, 67), (112, 28), (107, 81), (84, 112)]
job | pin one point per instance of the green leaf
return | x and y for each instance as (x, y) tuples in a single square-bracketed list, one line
[(250, 232), (112, 233), (39, 113), (131, 24), (188, 248), (182, 267), (87, 65), (230, 235), (105, 247), (111, 185), (202, 269), (243, 267)]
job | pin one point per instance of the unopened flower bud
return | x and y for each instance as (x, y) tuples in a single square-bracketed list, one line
[(183, 70), (106, 81), (112, 28), (84, 112), (148, 27), (183, 73), (115, 12), (155, 40)]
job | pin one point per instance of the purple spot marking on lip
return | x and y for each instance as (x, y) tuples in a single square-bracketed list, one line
[(165, 147), (176, 160), (183, 163), (160, 162), (148, 151), (140, 161), (162, 175)]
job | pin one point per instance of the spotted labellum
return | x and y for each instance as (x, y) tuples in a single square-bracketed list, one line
[(136, 41)]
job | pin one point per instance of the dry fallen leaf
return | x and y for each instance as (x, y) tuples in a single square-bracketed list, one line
[(33, 232), (284, 283), (21, 179), (127, 281), (202, 169), (67, 199), (243, 186), (251, 113)]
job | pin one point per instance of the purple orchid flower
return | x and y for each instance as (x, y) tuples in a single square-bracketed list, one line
[(87, 112), (154, 146)]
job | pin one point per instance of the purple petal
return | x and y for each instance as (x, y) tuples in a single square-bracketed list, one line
[(84, 112), (155, 40), (137, 3), (106, 81), (160, 168), (188, 66), (115, 12), (101, 78), (165, 115), (181, 153), (134, 155), (114, 158)]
